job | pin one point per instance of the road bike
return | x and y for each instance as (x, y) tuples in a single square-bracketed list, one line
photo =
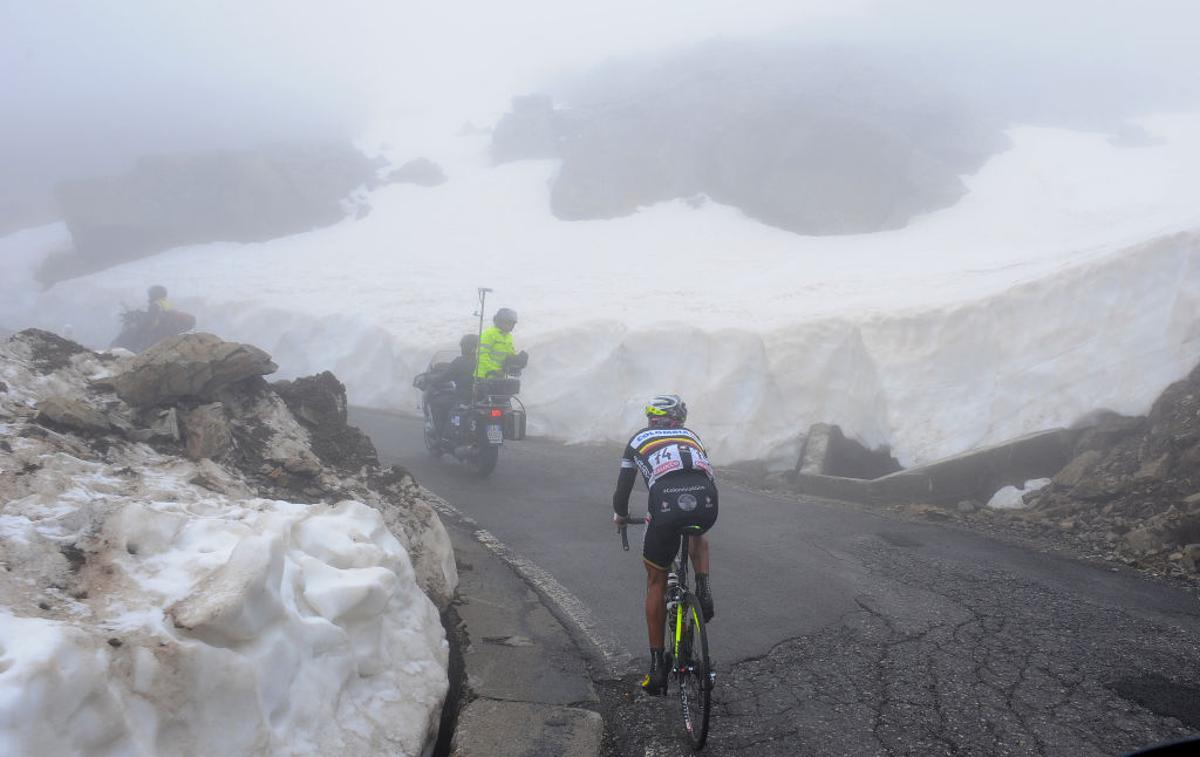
[(688, 663)]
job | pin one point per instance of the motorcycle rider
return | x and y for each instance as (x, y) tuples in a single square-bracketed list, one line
[(683, 492), (156, 304), (496, 344), (460, 372)]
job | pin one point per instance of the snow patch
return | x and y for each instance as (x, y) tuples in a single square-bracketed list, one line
[(1012, 497), (143, 614)]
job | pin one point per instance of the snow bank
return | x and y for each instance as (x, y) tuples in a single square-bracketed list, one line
[(152, 605), (1060, 284)]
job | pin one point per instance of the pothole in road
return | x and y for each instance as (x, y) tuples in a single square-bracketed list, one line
[(1162, 696)]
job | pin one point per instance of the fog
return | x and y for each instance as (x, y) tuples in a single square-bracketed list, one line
[(87, 86)]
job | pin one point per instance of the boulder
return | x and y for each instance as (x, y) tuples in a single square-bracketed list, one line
[(159, 424), (1144, 539), (207, 432), (423, 172), (72, 413), (1153, 470), (828, 452), (1079, 468), (319, 404), (189, 365), (49, 351)]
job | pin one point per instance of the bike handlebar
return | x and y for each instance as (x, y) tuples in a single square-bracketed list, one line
[(628, 521)]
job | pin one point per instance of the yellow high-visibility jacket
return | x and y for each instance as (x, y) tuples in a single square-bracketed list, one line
[(494, 347)]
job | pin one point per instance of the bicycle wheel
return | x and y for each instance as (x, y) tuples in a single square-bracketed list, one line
[(691, 673)]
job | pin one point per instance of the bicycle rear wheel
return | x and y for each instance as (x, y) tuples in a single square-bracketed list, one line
[(692, 670)]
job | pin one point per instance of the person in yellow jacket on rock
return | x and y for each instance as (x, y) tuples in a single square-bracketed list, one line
[(496, 344)]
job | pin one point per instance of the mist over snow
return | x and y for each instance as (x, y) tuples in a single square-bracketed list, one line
[(1027, 253)]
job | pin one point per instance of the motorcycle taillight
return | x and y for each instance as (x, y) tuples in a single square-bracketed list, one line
[(497, 412)]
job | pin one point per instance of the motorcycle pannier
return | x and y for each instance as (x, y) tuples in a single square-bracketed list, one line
[(514, 425)]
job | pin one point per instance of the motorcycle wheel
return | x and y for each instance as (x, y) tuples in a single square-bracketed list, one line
[(432, 444), (485, 462)]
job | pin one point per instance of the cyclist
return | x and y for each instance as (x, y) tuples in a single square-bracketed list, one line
[(683, 492)]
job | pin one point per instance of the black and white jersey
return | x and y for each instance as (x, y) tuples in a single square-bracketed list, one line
[(657, 452)]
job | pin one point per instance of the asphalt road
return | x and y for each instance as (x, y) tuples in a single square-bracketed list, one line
[(844, 631)]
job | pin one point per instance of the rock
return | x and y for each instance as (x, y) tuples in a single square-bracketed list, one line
[(319, 404), (189, 365), (967, 506), (207, 432), (318, 401), (158, 424), (1154, 470), (49, 351), (236, 196), (423, 172), (1067, 524), (1101, 431), (74, 414), (1192, 503), (749, 136), (1079, 468), (3, 387), (530, 130), (1143, 539), (1191, 556), (828, 452)]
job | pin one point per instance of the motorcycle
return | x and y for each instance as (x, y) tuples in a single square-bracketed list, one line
[(472, 431)]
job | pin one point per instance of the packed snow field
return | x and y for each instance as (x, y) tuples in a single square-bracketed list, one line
[(1067, 280), (153, 606)]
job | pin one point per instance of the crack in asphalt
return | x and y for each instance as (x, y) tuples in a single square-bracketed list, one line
[(941, 659)]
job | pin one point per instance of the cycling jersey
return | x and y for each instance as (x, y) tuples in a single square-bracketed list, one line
[(659, 452)]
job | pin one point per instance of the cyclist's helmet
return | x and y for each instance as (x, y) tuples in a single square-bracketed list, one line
[(156, 292), (468, 344), (666, 410), (505, 315)]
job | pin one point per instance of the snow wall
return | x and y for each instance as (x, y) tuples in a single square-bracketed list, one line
[(1109, 332)]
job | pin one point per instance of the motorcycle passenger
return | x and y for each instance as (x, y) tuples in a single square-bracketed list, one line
[(683, 492), (460, 373), (496, 344)]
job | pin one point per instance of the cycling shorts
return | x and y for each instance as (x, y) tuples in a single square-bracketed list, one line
[(686, 500)]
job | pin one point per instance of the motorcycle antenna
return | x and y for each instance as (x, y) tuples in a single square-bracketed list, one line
[(483, 293)]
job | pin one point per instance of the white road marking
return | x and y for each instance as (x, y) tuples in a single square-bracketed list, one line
[(568, 607)]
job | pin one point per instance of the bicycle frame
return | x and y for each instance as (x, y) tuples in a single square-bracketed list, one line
[(683, 663)]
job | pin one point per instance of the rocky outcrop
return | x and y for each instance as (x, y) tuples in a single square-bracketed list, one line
[(319, 403), (1133, 486), (530, 130), (72, 414), (207, 432), (197, 557), (1129, 491), (844, 148), (828, 452), (188, 366), (422, 171), (239, 196)]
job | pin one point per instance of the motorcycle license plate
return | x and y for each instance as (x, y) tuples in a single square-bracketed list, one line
[(495, 435)]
